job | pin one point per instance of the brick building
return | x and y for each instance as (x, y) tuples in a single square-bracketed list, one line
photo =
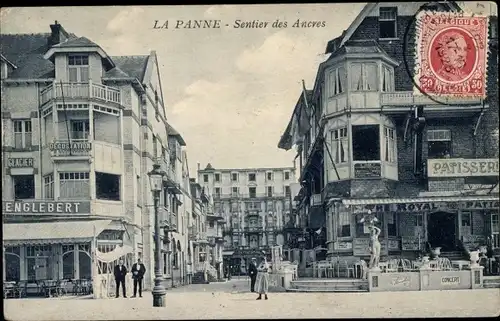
[(369, 143), (255, 203), (80, 131)]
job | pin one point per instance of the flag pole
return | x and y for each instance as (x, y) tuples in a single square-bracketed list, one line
[(318, 125)]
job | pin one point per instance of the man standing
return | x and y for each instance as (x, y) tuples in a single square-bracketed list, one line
[(138, 271), (120, 272), (252, 272)]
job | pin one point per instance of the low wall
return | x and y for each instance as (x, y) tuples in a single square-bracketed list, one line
[(425, 279)]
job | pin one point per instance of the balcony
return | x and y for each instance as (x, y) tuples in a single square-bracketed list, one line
[(254, 229), (316, 200), (171, 177), (168, 220), (253, 212), (60, 90)]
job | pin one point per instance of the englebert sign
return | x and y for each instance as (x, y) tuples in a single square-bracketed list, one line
[(45, 207), (457, 167)]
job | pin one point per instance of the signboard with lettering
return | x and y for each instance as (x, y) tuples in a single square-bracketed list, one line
[(367, 170), (342, 246), (361, 246), (46, 207), (409, 244), (458, 167), (426, 206), (450, 280), (70, 145), (20, 162)]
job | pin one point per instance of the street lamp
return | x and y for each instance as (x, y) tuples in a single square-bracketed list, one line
[(156, 181)]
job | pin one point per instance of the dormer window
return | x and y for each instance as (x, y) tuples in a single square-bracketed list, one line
[(78, 68), (387, 22)]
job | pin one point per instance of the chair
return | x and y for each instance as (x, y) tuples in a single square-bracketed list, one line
[(61, 287), (20, 290), (392, 265), (8, 290), (363, 268), (406, 265), (349, 270)]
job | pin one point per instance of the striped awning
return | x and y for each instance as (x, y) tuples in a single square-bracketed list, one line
[(52, 232), (381, 201)]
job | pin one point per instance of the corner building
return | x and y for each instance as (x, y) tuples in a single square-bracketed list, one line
[(80, 131), (427, 171)]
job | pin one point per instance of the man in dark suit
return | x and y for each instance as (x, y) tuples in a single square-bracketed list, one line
[(120, 272), (252, 272), (138, 270)]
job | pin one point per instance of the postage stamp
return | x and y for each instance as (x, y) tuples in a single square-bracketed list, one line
[(451, 54)]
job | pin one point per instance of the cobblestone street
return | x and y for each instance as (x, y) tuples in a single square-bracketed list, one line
[(229, 300)]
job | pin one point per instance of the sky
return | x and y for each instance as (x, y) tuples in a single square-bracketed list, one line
[(230, 92)]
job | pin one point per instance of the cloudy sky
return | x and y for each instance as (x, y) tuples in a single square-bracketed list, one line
[(230, 92)]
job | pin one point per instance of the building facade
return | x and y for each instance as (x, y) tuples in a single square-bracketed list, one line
[(255, 204), (366, 142), (80, 131)]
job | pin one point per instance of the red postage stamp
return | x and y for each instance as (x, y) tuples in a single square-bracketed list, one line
[(452, 51)]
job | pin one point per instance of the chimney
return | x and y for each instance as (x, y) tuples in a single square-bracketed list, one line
[(57, 35), (198, 166)]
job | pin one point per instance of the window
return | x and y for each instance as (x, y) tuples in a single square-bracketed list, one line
[(439, 141), (344, 224), (24, 186), (205, 178), (211, 224), (22, 133), (287, 191), (155, 147), (495, 226), (269, 191), (217, 192), (419, 220), (78, 68), (217, 177), (251, 177), (391, 224), (80, 129), (235, 191), (287, 176), (336, 81), (269, 176), (390, 145), (74, 185), (107, 186), (387, 79), (340, 145), (48, 186), (252, 191), (270, 206), (364, 76), (234, 177), (365, 142), (234, 206), (466, 219), (387, 22)]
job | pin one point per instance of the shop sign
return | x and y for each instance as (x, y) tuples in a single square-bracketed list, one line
[(428, 206), (66, 146), (20, 162), (462, 167), (450, 280), (343, 245), (45, 207), (367, 170)]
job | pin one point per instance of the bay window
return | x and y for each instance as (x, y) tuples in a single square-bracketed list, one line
[(364, 76), (390, 145), (74, 185), (80, 129), (340, 145), (387, 79), (365, 142), (336, 81)]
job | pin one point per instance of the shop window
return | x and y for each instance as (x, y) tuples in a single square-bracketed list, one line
[(269, 191), (74, 185), (390, 145), (466, 219), (251, 177), (78, 68), (366, 143), (234, 177), (252, 191), (287, 191), (439, 142), (12, 263), (387, 79), (107, 186), (48, 186), (205, 178), (364, 76), (22, 134), (340, 145), (217, 177), (24, 186), (344, 224), (80, 129), (388, 22), (235, 191), (391, 224)]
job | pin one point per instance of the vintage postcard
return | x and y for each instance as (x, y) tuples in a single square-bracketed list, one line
[(250, 161)]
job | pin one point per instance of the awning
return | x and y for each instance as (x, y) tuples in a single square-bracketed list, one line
[(381, 201), (52, 232), (114, 255)]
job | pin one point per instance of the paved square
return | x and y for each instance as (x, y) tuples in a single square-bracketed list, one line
[(230, 301)]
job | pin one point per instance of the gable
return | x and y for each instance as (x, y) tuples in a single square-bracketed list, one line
[(152, 79)]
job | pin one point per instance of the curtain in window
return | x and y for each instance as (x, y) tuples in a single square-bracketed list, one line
[(75, 189), (387, 80), (332, 81), (73, 75), (341, 78), (356, 77), (370, 71)]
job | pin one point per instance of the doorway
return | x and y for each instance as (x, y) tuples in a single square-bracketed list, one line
[(441, 229)]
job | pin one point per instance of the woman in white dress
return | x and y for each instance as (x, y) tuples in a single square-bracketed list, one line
[(262, 282)]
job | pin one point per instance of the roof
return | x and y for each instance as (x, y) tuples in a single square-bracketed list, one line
[(128, 66), (52, 232), (26, 52), (76, 42), (172, 132)]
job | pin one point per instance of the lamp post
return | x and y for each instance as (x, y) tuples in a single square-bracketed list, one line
[(156, 181)]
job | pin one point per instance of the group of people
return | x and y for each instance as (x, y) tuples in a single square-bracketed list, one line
[(138, 270)]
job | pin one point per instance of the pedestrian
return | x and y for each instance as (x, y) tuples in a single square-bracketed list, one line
[(229, 270), (263, 278), (252, 273), (120, 273), (138, 271)]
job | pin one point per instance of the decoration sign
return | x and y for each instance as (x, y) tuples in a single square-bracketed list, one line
[(462, 167), (20, 162), (450, 280), (66, 146), (367, 170), (45, 207)]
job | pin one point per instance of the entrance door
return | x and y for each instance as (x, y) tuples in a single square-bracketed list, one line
[(441, 229)]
